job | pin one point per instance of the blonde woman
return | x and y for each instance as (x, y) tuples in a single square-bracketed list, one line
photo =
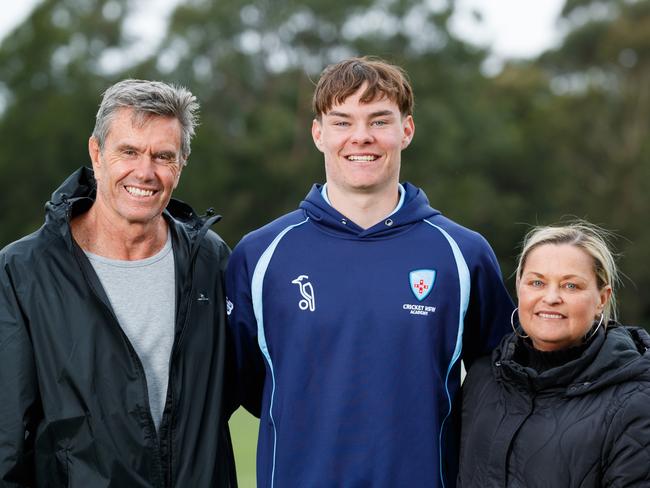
[(564, 401)]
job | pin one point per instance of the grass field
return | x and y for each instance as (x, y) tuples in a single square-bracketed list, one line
[(243, 429)]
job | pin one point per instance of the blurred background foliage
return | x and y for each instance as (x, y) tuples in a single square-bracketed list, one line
[(561, 135), (565, 134)]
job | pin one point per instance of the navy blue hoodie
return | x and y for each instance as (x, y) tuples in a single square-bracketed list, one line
[(348, 341)]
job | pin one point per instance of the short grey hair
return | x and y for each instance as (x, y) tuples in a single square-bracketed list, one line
[(590, 238), (149, 98)]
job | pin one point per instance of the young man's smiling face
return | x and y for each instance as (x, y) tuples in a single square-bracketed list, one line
[(138, 168), (362, 144)]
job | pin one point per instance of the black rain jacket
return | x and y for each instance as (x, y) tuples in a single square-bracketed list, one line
[(74, 408), (584, 424)]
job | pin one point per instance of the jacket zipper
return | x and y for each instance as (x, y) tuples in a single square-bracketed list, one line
[(185, 305), (165, 473), (151, 428), (188, 297)]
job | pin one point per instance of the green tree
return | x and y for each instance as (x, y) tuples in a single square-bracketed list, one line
[(51, 77), (565, 134), (252, 66), (600, 77)]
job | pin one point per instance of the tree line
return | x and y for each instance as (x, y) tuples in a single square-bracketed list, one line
[(560, 136)]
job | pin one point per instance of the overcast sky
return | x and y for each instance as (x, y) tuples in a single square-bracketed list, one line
[(511, 28)]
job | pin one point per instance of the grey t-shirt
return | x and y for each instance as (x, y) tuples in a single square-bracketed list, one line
[(143, 296)]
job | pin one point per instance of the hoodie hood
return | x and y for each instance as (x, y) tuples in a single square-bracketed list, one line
[(415, 208)]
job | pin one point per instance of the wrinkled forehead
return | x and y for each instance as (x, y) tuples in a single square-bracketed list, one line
[(141, 118), (127, 123)]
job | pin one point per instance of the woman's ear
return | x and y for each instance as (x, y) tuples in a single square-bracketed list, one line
[(605, 294)]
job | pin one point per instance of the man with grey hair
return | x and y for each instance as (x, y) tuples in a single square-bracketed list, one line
[(112, 316)]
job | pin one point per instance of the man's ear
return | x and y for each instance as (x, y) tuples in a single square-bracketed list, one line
[(317, 134), (178, 175), (95, 157), (408, 130), (94, 152)]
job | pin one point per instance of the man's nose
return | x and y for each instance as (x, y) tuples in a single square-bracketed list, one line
[(144, 166), (361, 134)]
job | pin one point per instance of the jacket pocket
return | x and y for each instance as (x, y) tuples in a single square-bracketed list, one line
[(55, 442), (62, 467)]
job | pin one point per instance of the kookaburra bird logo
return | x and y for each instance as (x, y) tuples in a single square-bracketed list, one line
[(307, 292)]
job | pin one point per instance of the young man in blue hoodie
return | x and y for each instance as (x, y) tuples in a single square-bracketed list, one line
[(351, 314)]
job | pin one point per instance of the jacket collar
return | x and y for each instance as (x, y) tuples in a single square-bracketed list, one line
[(615, 355), (77, 194)]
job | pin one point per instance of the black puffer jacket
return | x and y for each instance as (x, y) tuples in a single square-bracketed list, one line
[(74, 408), (584, 424)]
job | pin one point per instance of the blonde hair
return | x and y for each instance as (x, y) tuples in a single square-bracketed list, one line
[(590, 238)]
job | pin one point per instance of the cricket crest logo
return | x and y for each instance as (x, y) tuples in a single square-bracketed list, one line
[(421, 282)]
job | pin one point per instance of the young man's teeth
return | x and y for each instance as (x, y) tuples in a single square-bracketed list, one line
[(138, 192), (362, 158)]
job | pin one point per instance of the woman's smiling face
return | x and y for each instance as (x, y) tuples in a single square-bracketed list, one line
[(558, 296)]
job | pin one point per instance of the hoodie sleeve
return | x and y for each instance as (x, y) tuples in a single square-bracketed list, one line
[(488, 314), (626, 450), (248, 362), (19, 408)]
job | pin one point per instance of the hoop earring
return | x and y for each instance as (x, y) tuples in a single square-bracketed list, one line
[(512, 324), (600, 322)]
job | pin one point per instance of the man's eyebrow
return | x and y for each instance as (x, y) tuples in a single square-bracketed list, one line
[(379, 113), (382, 113), (164, 154), (127, 147)]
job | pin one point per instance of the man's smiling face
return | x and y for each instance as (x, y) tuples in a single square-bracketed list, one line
[(362, 143), (138, 167)]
